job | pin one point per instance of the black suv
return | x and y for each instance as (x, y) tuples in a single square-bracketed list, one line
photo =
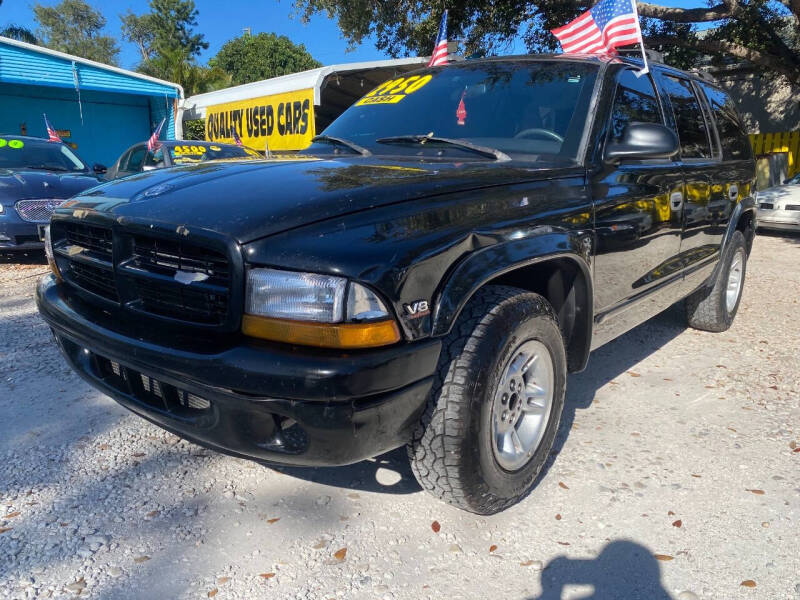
[(425, 275)]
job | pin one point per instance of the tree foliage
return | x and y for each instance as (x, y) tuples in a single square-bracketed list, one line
[(760, 32), (74, 27), (19, 33), (169, 45), (255, 57)]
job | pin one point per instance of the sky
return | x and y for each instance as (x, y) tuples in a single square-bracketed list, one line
[(221, 21)]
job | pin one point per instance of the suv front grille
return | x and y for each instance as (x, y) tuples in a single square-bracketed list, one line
[(37, 211), (171, 279)]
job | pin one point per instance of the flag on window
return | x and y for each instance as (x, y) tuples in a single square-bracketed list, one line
[(236, 137), (601, 29), (153, 143), (51, 133), (439, 56)]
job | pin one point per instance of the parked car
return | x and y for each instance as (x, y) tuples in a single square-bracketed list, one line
[(36, 176), (446, 252), (137, 158), (779, 206)]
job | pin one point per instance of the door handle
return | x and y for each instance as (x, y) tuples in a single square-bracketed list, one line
[(676, 200), (733, 191)]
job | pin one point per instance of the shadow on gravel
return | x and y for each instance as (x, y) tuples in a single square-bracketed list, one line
[(389, 473), (623, 569), (791, 237), (32, 257), (612, 360)]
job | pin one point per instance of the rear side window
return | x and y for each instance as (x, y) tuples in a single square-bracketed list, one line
[(732, 137), (635, 101), (136, 159), (692, 129)]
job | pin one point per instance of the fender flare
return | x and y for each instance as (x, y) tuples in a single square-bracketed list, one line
[(482, 266), (747, 205)]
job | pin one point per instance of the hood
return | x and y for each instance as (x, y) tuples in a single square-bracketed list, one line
[(249, 200), (19, 184)]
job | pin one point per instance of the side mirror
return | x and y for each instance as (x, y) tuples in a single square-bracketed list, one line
[(99, 169), (641, 141)]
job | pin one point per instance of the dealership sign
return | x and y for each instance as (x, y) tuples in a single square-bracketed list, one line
[(280, 122)]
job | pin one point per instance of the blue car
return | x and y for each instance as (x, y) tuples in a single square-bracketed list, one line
[(36, 176)]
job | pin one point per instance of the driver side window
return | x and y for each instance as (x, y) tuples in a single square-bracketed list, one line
[(634, 101)]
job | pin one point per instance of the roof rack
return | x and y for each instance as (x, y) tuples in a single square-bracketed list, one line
[(652, 55)]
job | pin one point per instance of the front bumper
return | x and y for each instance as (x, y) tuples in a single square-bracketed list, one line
[(18, 235), (779, 219), (269, 402)]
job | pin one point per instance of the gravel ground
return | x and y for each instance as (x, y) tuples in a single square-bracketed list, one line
[(675, 475)]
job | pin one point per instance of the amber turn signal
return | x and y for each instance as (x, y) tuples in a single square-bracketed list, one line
[(322, 335)]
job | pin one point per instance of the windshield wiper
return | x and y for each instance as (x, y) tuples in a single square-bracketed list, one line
[(329, 139), (46, 168), (423, 139)]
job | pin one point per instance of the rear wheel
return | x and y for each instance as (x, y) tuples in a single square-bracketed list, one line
[(495, 407), (713, 309)]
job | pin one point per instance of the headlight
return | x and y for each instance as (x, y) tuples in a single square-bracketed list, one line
[(315, 310)]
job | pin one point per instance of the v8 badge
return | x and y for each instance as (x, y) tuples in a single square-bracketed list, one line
[(417, 309)]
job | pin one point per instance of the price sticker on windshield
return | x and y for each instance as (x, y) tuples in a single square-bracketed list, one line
[(395, 90), (15, 144), (188, 150)]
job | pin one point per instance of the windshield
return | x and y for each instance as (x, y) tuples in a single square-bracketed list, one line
[(189, 153), (525, 109), (35, 154)]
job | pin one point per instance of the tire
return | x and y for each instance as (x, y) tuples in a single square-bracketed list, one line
[(452, 453), (708, 309)]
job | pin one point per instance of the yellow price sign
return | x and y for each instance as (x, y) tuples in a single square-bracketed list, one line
[(395, 90), (189, 150)]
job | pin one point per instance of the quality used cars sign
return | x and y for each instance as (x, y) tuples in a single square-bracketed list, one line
[(284, 121)]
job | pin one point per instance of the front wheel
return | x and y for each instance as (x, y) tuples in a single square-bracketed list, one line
[(496, 404), (714, 309)]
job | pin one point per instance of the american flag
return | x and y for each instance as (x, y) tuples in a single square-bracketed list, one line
[(153, 143), (608, 25), (51, 133), (439, 56), (236, 137)]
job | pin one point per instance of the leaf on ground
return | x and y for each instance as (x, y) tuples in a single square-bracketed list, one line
[(213, 593), (677, 523), (320, 545), (4, 529), (670, 514), (138, 454), (527, 563), (696, 475), (141, 559), (266, 575), (796, 450), (793, 445), (275, 520), (558, 517), (103, 447), (563, 543), (633, 374), (222, 580), (756, 492), (436, 527), (563, 485), (492, 548), (748, 583), (16, 513), (153, 513), (340, 554), (663, 557)]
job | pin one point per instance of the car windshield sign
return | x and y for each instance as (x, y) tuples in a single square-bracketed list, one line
[(525, 109), (188, 153), (38, 155)]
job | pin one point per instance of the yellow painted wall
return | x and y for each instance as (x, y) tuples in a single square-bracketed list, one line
[(787, 141)]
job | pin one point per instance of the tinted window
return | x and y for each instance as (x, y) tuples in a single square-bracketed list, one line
[(734, 141), (529, 108), (689, 118), (21, 153), (136, 159), (634, 102)]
